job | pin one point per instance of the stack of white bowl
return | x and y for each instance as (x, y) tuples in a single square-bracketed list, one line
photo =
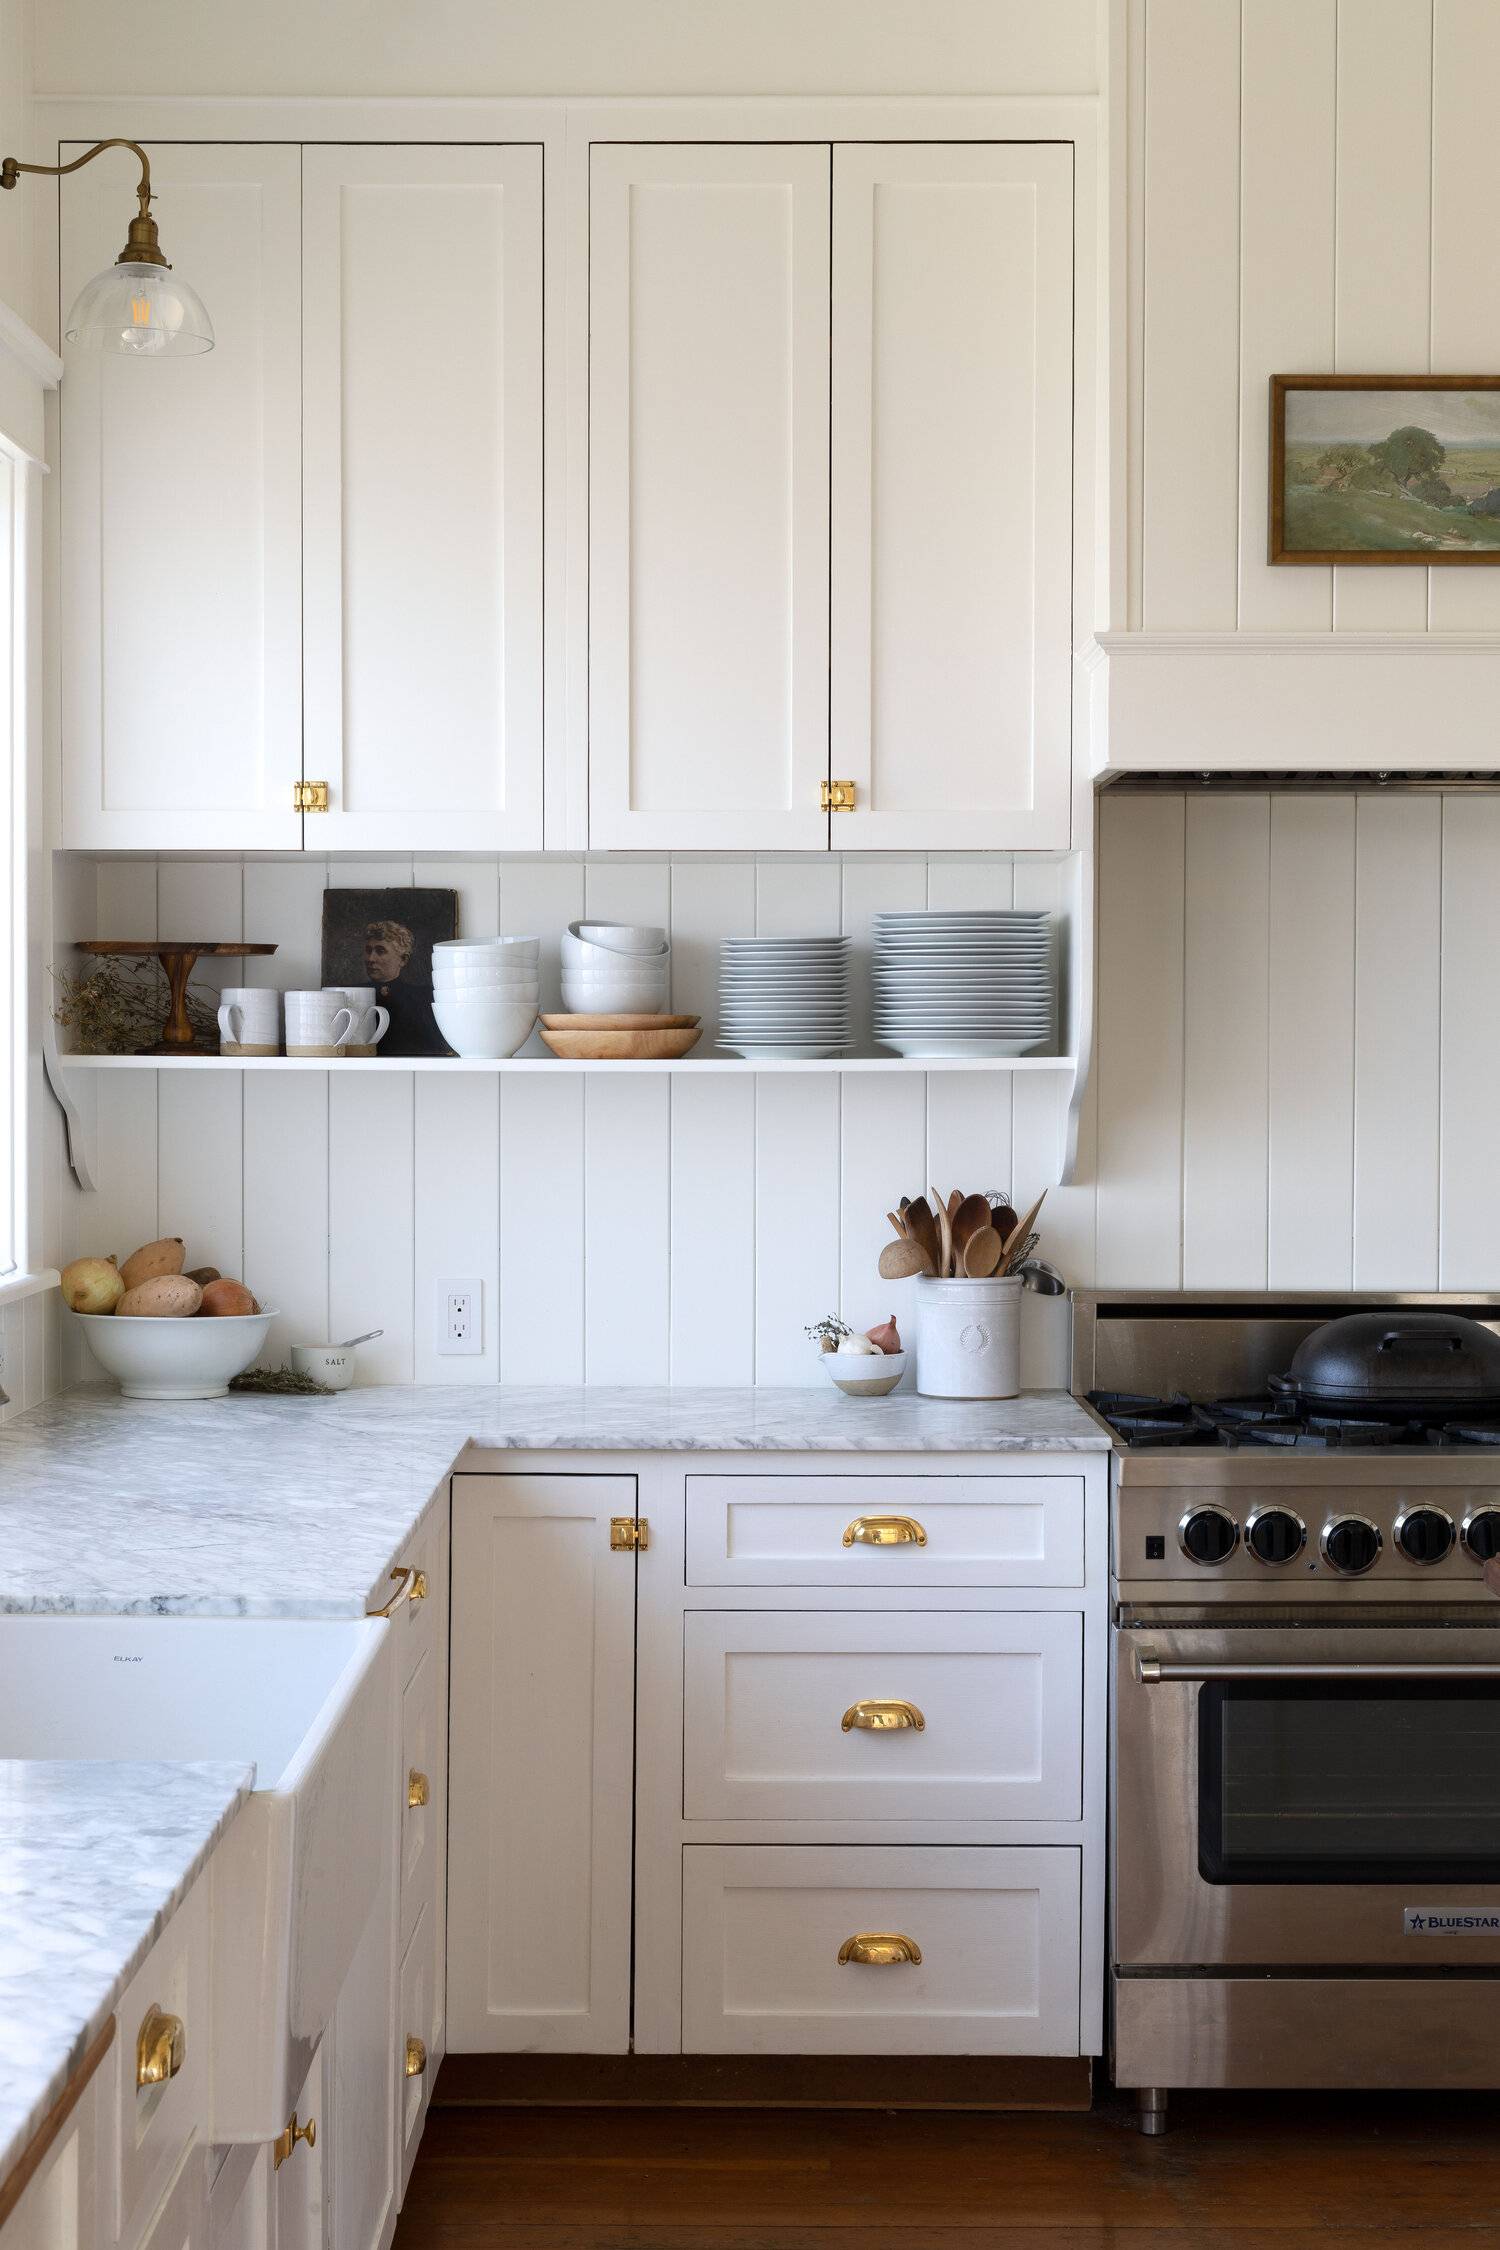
[(784, 999), (485, 993), (963, 982), (615, 969)]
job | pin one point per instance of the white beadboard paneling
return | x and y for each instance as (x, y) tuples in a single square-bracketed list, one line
[(477, 883), (1396, 1007), (541, 1230), (1465, 249), (121, 1212), (284, 906), (627, 1218), (12, 1362), (1138, 1042), (872, 886), (969, 1118), (127, 899), (1286, 271), (200, 1166), (1039, 1113), (539, 898), (798, 898), (286, 1207), (457, 1187), (1189, 538), (796, 1221), (713, 1229), (200, 898), (1383, 270), (628, 890), (884, 1141), (1310, 1208), (710, 902), (371, 1218), (1470, 1232), (1224, 1042)]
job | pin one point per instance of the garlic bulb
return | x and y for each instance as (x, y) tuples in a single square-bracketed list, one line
[(859, 1346)]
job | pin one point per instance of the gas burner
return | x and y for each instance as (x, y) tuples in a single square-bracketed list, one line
[(1146, 1421), (1460, 1434)]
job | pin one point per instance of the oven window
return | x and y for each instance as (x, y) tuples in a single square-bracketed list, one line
[(1309, 1781)]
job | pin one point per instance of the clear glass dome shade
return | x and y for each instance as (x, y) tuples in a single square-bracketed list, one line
[(144, 311)]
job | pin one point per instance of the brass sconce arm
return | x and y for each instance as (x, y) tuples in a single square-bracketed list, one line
[(142, 246)]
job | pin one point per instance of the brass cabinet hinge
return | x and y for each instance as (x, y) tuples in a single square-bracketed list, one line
[(836, 796), (309, 796), (629, 1535)]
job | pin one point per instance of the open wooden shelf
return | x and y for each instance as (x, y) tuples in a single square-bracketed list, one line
[(392, 1064)]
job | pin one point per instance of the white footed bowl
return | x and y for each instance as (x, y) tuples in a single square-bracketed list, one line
[(483, 976), (174, 1358), (484, 1030), (631, 940), (511, 948)]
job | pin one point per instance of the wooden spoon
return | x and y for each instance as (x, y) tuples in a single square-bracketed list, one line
[(945, 1236), (1015, 1243), (982, 1254), (971, 1217), (900, 1260), (897, 1228), (1003, 1220), (921, 1228)]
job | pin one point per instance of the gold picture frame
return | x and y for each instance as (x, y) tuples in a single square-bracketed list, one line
[(1371, 470)]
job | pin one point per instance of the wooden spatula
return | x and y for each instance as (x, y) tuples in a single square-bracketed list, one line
[(1015, 1242)]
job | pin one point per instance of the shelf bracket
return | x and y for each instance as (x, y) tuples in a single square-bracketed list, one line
[(80, 1157)]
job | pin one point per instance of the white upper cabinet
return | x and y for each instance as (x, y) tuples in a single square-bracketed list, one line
[(181, 579), (708, 497), (952, 494), (422, 496)]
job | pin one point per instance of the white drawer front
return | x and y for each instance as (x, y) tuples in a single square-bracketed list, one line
[(156, 2123), (763, 1927), (420, 1786), (885, 1531), (999, 1697)]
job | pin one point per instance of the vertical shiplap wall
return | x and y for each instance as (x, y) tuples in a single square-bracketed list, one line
[(627, 1229), (1314, 187)]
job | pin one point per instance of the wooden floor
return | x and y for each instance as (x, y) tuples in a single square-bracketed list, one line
[(1294, 2172)]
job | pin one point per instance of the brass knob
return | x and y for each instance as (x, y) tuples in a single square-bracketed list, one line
[(883, 1718), (880, 1949), (418, 1789), (885, 1531), (416, 2056), (287, 2139), (160, 2046)]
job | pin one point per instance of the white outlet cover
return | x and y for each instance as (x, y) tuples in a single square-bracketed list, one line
[(460, 1317)]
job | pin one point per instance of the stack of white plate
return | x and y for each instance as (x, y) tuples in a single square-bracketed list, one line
[(784, 999), (977, 982), (485, 993)]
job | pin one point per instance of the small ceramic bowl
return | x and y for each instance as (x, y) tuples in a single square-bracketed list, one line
[(857, 1375), (332, 1365)]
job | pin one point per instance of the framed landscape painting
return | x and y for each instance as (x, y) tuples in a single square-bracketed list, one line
[(1385, 469)]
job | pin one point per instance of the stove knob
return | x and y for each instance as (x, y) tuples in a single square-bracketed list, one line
[(1208, 1535), (1425, 1535), (1482, 1534), (1350, 1545), (1275, 1535)]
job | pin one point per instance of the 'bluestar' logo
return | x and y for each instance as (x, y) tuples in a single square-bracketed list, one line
[(1450, 1921)]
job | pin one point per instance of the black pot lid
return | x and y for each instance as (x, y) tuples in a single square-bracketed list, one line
[(1386, 1358)]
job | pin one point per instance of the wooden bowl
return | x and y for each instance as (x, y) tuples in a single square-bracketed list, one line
[(620, 1023), (622, 1046)]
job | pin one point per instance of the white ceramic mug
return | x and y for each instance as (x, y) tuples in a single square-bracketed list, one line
[(371, 1021), (249, 1020), (317, 1023)]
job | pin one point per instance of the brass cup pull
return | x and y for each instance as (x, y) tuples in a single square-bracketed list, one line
[(287, 2139), (418, 1790), (416, 2056), (883, 1718), (160, 2048), (884, 1531), (880, 1949)]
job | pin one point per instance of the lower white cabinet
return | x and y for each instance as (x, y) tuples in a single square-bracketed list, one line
[(181, 2222), (929, 1951)]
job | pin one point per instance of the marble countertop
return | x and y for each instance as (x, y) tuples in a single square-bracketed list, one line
[(94, 1859), (301, 1507)]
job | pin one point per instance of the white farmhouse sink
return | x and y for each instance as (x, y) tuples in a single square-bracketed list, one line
[(311, 1703)]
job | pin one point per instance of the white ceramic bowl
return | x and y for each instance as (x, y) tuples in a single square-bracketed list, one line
[(484, 976), (629, 938), (484, 1030), (515, 948), (332, 1365), (613, 999), (174, 1358), (859, 1376)]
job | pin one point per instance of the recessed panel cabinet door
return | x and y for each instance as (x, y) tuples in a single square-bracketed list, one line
[(541, 1782), (708, 497), (952, 494), (422, 298), (181, 530)]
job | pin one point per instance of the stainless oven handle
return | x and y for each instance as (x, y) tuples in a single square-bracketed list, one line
[(1152, 1670)]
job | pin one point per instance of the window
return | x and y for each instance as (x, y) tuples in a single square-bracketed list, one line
[(13, 826)]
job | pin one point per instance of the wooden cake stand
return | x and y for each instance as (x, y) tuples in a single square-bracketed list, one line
[(178, 959)]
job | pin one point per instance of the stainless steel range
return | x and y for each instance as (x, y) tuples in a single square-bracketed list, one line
[(1305, 1885)]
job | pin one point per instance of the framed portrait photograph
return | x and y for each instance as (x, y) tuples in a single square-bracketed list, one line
[(1385, 469), (385, 939)]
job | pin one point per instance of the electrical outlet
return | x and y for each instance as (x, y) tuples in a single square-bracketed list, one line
[(459, 1308)]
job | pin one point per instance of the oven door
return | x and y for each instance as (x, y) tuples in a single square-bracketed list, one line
[(1307, 1796)]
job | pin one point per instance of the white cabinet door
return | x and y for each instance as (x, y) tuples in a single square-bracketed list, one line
[(540, 1766), (422, 310), (708, 497), (952, 494), (181, 522)]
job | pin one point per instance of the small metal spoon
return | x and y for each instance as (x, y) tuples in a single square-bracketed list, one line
[(368, 1337)]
